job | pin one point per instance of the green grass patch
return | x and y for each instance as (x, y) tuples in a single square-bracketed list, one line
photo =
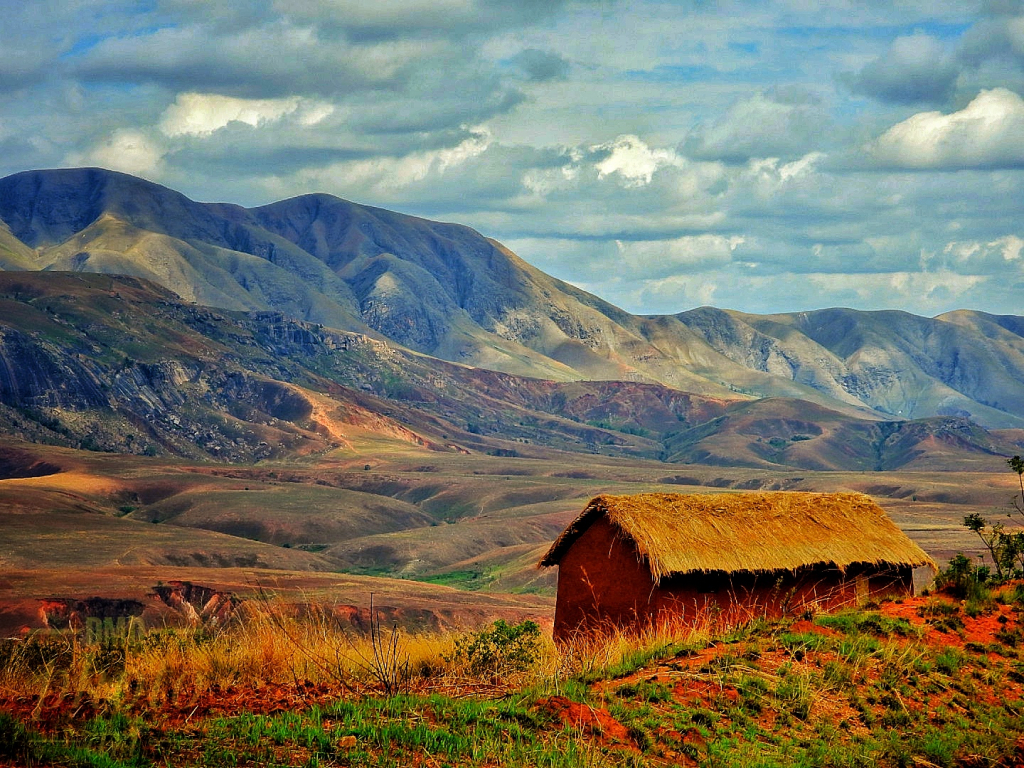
[(870, 622), (468, 580)]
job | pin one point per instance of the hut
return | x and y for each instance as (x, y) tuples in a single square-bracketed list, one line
[(639, 560)]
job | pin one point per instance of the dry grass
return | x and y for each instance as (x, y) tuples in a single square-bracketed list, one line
[(269, 646), (78, 482), (855, 689), (272, 646), (617, 650)]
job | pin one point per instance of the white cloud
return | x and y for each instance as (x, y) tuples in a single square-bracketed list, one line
[(633, 161), (987, 133), (200, 114), (974, 255), (124, 150), (1011, 247), (678, 293), (770, 169), (936, 290)]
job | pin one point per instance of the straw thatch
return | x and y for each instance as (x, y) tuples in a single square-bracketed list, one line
[(752, 532)]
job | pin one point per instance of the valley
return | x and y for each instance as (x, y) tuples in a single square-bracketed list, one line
[(329, 527), (348, 401)]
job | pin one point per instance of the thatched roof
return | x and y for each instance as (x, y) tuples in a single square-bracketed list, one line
[(754, 532)]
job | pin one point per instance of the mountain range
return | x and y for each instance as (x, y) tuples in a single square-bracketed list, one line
[(295, 318)]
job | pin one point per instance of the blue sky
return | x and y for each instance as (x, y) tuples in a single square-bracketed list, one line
[(759, 156)]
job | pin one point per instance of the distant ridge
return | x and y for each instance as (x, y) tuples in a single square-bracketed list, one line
[(449, 292), (119, 364)]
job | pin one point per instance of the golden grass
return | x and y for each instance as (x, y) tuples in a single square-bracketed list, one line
[(752, 532), (73, 481), (272, 646), (267, 647)]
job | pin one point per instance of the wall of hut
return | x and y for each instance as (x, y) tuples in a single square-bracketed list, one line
[(603, 583)]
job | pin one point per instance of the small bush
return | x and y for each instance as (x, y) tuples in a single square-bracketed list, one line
[(949, 661), (644, 690), (1008, 637), (964, 580), (502, 649), (798, 643), (943, 615), (38, 653), (794, 694)]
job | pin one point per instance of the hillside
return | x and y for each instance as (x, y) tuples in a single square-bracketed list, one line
[(382, 507), (923, 681), (447, 291), (119, 364)]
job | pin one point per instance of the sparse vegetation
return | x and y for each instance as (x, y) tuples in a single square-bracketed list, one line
[(277, 689), (1005, 547)]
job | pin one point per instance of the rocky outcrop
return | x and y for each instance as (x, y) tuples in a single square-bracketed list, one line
[(196, 604), (37, 373), (103, 618)]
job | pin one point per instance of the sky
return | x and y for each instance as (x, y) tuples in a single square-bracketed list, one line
[(771, 156)]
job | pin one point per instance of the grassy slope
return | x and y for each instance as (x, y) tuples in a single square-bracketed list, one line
[(916, 682)]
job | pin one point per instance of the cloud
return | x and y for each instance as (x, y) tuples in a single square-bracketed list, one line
[(999, 36), (935, 291), (200, 114), (975, 256), (678, 293), (541, 66), (20, 68), (632, 161), (388, 19), (987, 133), (661, 258), (124, 150), (384, 175), (762, 126), (915, 69), (271, 60), (663, 154), (734, 288)]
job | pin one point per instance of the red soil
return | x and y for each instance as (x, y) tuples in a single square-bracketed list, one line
[(595, 721)]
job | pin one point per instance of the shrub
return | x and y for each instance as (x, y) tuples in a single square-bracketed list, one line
[(499, 650), (949, 661), (942, 615), (963, 579)]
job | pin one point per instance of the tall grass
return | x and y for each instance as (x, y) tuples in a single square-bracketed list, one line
[(275, 644)]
